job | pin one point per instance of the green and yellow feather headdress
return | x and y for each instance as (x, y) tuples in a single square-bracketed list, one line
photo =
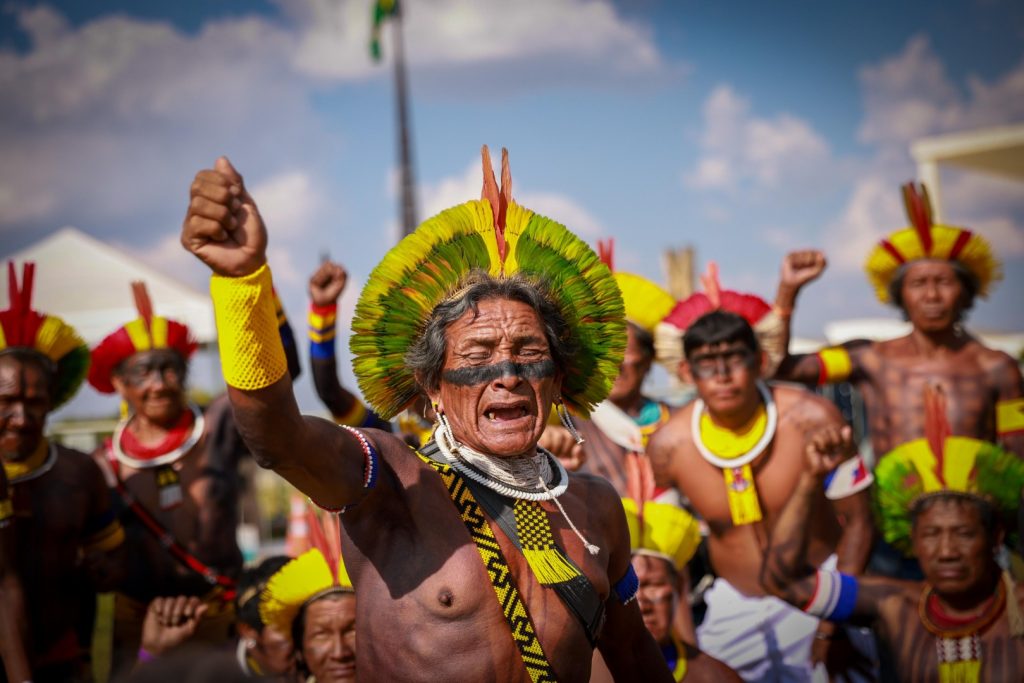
[(942, 464), (501, 238), (318, 572)]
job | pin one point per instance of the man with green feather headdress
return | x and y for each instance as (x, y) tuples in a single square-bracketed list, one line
[(948, 500), (477, 557)]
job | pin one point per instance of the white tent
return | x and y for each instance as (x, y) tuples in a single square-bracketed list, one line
[(88, 284)]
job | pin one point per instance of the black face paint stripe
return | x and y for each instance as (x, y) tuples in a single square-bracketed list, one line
[(483, 374)]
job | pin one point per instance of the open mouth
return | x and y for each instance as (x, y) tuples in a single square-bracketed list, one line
[(498, 414)]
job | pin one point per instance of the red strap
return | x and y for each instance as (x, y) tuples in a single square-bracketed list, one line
[(168, 541)]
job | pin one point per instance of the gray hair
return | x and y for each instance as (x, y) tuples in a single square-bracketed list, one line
[(426, 356)]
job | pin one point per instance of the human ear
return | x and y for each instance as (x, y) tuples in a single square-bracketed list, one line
[(684, 372)]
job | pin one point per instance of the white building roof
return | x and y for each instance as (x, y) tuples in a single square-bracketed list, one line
[(88, 284)]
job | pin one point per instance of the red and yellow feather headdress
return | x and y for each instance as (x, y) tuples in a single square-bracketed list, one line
[(925, 240), (22, 327), (148, 331), (668, 336)]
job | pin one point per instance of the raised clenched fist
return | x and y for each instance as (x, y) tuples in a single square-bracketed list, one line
[(327, 283), (827, 448), (563, 446), (222, 227), (801, 267)]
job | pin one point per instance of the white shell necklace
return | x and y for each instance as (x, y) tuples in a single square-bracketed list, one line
[(772, 421), (198, 424), (524, 478)]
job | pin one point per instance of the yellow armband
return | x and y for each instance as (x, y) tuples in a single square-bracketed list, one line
[(251, 354), (106, 539), (835, 365), (355, 417), (6, 511), (1010, 416)]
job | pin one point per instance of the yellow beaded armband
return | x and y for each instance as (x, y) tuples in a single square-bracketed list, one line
[(835, 365), (1010, 416), (251, 354)]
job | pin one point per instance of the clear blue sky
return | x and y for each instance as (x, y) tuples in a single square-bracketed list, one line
[(743, 128)]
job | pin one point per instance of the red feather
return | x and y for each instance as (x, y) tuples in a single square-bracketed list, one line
[(492, 194), (144, 306), (606, 252), (936, 423), (712, 287), (919, 211)]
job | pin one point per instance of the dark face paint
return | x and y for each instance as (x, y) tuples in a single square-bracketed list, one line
[(484, 374)]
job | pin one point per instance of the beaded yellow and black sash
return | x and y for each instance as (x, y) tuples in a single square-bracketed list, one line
[(523, 632)]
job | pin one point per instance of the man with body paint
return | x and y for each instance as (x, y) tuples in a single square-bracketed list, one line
[(932, 273)]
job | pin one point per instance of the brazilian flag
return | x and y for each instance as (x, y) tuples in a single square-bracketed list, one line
[(382, 9)]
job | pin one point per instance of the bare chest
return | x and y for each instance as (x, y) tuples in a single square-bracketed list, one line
[(896, 390), (919, 654), (427, 579), (772, 475), (51, 511)]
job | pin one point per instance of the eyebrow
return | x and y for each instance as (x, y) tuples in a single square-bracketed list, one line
[(523, 340)]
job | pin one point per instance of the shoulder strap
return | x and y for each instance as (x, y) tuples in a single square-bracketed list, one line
[(167, 541), (521, 625), (578, 594)]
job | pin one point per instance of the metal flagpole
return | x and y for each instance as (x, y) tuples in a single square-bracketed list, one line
[(408, 198)]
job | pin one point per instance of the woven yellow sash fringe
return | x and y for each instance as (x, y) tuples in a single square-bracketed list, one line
[(523, 632)]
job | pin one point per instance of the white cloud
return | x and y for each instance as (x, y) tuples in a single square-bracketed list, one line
[(873, 210), (570, 36), (289, 203), (739, 149), (909, 96), (457, 189)]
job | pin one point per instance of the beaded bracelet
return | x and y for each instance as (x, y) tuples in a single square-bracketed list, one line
[(369, 467)]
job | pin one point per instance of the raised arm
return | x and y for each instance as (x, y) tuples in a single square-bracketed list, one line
[(325, 286), (799, 268), (786, 574), (223, 228)]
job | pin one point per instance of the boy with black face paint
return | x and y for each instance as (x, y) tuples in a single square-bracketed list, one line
[(735, 454)]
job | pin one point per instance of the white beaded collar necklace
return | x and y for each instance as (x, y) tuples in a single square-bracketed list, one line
[(772, 415)]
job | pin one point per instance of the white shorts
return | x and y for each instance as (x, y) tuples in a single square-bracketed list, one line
[(762, 639)]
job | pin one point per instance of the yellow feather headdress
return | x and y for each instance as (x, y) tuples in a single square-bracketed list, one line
[(645, 302), (924, 240), (318, 572), (497, 236), (666, 531)]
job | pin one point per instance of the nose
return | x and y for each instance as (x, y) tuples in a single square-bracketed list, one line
[(948, 549), (15, 414), (509, 378)]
